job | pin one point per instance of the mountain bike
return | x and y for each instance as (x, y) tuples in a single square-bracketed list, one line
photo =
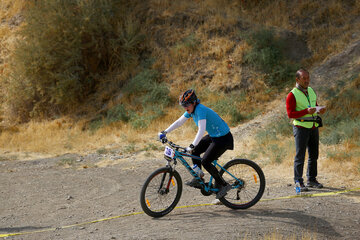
[(162, 190)]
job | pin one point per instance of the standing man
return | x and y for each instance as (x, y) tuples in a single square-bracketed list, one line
[(301, 106)]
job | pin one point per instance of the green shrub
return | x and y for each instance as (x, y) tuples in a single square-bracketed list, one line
[(96, 123), (276, 153), (341, 119), (63, 51), (229, 105), (344, 130), (117, 113), (266, 50), (188, 44), (282, 125), (266, 55), (143, 118), (102, 151), (146, 89), (279, 127), (266, 135), (149, 95), (146, 94)]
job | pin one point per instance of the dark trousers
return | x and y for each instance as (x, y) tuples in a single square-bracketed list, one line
[(213, 148), (306, 138)]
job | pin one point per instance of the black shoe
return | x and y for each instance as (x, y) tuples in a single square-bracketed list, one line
[(303, 188), (194, 183), (314, 184), (223, 191)]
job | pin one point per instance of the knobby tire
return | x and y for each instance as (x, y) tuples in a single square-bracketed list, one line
[(253, 179), (159, 194)]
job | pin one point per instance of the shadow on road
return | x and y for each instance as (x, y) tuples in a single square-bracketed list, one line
[(291, 217), (21, 229), (275, 217)]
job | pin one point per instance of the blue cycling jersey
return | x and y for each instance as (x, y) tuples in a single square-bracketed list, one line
[(215, 125)]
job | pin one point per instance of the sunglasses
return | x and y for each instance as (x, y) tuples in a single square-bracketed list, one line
[(186, 105)]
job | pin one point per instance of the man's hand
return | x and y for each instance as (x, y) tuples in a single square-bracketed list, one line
[(322, 111), (311, 110)]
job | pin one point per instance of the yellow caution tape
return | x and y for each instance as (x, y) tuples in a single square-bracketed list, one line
[(187, 206), (313, 195)]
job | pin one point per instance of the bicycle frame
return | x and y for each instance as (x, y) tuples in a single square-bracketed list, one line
[(207, 187)]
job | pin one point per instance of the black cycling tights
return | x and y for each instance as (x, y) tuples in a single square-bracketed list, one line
[(213, 148)]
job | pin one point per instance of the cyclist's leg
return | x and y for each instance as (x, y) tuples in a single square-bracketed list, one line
[(216, 148), (200, 148), (213, 152)]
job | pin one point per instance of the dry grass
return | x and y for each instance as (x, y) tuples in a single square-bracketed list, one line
[(327, 25), (10, 8), (64, 136), (306, 235), (344, 159), (338, 165), (8, 12)]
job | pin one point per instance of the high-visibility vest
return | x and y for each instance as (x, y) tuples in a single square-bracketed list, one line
[(303, 102)]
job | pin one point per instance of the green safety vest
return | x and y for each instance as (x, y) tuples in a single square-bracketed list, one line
[(303, 102)]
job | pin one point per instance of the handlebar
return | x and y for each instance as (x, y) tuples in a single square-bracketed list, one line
[(171, 144)]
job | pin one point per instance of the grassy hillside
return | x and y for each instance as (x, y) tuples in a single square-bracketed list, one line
[(79, 75)]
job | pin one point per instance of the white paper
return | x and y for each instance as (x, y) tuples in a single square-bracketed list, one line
[(169, 152), (318, 108)]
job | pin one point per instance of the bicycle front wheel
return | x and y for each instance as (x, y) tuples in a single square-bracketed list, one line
[(249, 186), (161, 192)]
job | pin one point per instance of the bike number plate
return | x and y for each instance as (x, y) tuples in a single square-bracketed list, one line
[(169, 152)]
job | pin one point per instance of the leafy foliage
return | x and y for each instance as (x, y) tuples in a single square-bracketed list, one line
[(63, 51), (148, 97), (342, 116), (229, 105), (266, 55)]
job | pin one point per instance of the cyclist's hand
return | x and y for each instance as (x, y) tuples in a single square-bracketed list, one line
[(190, 148), (162, 136)]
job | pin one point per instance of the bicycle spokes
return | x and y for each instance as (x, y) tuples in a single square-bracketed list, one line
[(161, 192), (248, 186)]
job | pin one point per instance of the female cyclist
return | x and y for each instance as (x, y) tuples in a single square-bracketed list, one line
[(213, 145)]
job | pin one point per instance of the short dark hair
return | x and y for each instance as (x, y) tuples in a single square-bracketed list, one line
[(298, 72)]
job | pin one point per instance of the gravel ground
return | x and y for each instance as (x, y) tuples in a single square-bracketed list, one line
[(43, 195)]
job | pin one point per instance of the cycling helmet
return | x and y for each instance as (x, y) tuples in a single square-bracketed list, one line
[(187, 98)]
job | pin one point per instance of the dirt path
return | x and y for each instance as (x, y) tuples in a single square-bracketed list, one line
[(41, 194)]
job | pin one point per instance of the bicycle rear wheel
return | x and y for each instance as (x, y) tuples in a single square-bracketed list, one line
[(161, 192), (251, 185)]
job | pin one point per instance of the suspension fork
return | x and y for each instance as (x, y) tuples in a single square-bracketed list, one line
[(171, 174)]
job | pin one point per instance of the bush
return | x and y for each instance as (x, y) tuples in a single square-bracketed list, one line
[(266, 55), (63, 51), (341, 119), (142, 119), (282, 126), (344, 130), (185, 47), (117, 113), (229, 105), (146, 97), (145, 88)]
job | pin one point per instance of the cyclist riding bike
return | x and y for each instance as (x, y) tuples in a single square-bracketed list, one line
[(213, 145)]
